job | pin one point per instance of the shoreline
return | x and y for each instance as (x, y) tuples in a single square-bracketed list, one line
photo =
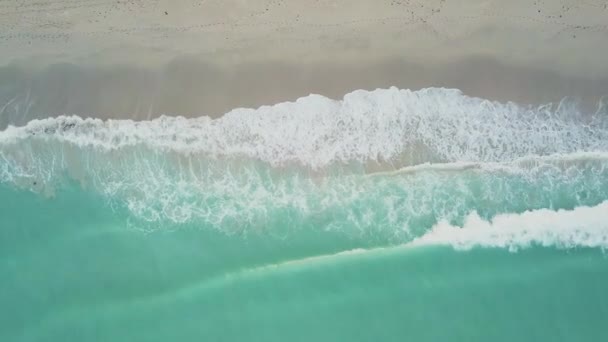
[(191, 88)]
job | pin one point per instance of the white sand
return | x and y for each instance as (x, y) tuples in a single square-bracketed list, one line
[(570, 36), (207, 56)]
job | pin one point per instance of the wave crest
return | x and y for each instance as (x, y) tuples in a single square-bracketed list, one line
[(581, 227)]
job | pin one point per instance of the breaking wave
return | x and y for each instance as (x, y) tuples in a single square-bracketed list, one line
[(430, 166)]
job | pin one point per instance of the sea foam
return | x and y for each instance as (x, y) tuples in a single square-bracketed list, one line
[(388, 125), (580, 227), (305, 164)]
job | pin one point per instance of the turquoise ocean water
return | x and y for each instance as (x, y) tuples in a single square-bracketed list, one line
[(390, 215)]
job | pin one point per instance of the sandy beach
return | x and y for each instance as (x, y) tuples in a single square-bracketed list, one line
[(142, 59)]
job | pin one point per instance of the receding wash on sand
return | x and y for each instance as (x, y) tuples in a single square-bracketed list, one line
[(303, 171)]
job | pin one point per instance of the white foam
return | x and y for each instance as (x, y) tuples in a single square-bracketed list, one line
[(580, 227), (182, 170), (428, 125)]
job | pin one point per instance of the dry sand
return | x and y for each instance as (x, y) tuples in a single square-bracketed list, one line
[(140, 59)]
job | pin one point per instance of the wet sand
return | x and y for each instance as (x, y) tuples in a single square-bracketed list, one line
[(141, 59)]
